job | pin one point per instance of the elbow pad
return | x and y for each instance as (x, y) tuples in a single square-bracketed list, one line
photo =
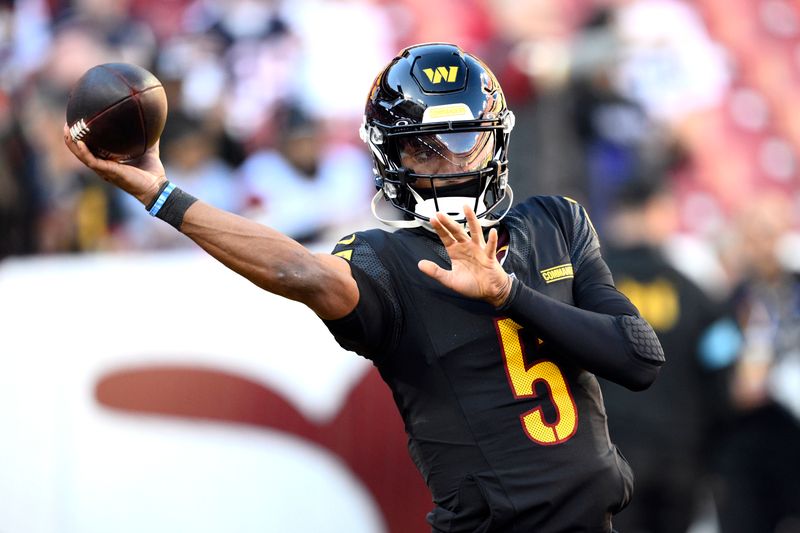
[(642, 339)]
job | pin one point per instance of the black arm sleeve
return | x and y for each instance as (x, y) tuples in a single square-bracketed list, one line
[(603, 335)]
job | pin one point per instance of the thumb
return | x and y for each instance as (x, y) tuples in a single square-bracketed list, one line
[(432, 269)]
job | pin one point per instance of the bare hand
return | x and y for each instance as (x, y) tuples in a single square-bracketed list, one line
[(475, 273), (140, 178)]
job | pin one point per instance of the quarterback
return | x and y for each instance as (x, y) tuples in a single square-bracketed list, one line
[(488, 322)]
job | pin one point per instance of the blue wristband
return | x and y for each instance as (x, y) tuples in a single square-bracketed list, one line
[(161, 199)]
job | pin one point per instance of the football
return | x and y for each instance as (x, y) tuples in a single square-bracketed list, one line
[(118, 110)]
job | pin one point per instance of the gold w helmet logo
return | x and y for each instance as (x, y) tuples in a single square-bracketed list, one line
[(447, 74)]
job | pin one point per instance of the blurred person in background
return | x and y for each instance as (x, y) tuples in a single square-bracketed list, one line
[(320, 23), (304, 169), (20, 191), (235, 61), (23, 44), (531, 45), (616, 136), (756, 452), (664, 432), (668, 62), (54, 44), (228, 65), (467, 310), (116, 25), (78, 214), (190, 151)]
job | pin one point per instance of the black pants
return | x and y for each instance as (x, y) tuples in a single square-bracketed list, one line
[(757, 468), (665, 496)]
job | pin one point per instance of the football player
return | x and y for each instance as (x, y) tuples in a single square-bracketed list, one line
[(488, 323)]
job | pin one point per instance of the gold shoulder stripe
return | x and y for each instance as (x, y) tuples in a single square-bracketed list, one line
[(347, 254), (591, 224), (588, 218), (348, 240), (557, 273)]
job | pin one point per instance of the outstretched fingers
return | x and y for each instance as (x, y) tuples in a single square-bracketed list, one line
[(428, 267), (455, 229), (435, 271), (443, 233), (491, 244), (475, 230)]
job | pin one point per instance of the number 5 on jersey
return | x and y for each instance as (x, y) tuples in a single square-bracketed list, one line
[(523, 382)]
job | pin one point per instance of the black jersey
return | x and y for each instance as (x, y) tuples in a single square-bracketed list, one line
[(663, 432), (680, 312), (508, 433)]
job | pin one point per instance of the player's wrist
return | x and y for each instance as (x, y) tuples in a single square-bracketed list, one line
[(500, 299), (170, 204), (149, 197)]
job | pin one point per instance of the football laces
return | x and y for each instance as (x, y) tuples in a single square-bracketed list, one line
[(78, 130)]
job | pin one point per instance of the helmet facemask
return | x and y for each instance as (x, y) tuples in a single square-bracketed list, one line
[(436, 167)]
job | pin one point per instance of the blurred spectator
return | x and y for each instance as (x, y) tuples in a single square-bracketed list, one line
[(237, 59), (343, 44), (20, 192), (663, 433), (448, 21), (530, 52), (79, 212), (668, 61), (24, 40), (756, 456), (303, 187), (116, 26), (226, 67), (618, 139), (190, 152)]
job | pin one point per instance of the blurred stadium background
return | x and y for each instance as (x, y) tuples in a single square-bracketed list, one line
[(226, 409)]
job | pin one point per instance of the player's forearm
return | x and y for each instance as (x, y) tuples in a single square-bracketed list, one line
[(264, 256), (622, 348)]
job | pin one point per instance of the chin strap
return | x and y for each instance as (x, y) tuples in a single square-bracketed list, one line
[(418, 223), (394, 223)]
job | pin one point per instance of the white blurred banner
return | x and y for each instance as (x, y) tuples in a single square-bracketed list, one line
[(69, 463)]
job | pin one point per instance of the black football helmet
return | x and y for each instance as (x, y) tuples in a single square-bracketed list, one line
[(437, 125)]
